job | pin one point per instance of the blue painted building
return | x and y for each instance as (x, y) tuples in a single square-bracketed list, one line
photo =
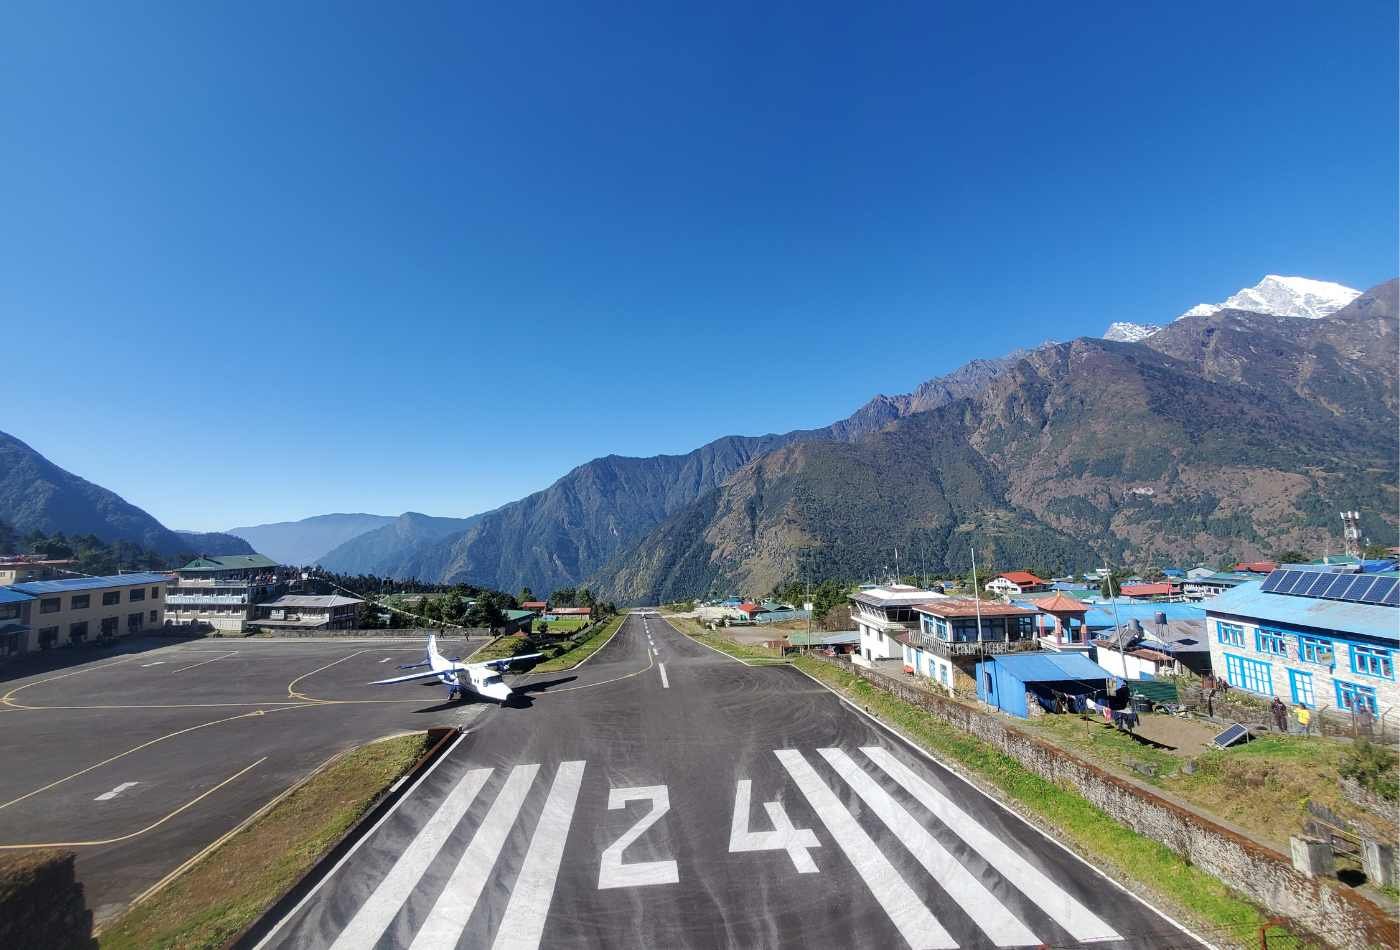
[(1004, 681), (1312, 636)]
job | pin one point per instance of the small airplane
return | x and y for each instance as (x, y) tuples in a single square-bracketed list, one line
[(483, 679)]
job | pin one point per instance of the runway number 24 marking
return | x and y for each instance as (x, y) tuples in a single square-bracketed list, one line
[(614, 872)]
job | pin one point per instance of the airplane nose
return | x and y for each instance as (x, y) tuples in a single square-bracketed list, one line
[(499, 691)]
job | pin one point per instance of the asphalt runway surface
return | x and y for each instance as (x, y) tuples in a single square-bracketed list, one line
[(666, 795), (140, 758)]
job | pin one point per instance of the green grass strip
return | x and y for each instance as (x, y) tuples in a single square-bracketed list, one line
[(577, 654)]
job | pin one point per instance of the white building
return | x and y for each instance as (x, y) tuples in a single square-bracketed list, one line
[(1013, 583), (882, 612)]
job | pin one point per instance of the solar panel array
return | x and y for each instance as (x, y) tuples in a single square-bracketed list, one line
[(1352, 588)]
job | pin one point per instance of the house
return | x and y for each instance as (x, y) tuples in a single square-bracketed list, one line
[(1011, 682), (846, 641), (224, 591), (1061, 620), (1310, 636), (307, 612), (1016, 582), (18, 568), (1211, 585), (882, 612), (1198, 572), (536, 607), (1159, 591), (1256, 567), (523, 621), (1175, 573), (954, 632), (559, 613), (1107, 616), (14, 622), (1138, 651), (84, 609)]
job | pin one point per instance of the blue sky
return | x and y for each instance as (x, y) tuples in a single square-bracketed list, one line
[(261, 260)]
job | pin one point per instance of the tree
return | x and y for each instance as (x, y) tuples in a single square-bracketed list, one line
[(1112, 584), (367, 615), (526, 595), (1291, 556)]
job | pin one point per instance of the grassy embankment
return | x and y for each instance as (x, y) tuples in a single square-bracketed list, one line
[(558, 656), (1191, 894), (754, 656), (228, 888)]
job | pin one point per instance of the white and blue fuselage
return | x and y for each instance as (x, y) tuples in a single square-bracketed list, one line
[(482, 679)]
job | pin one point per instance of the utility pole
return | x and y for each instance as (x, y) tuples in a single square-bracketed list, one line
[(977, 594)]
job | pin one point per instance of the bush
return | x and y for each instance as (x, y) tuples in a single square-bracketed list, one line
[(1374, 767)]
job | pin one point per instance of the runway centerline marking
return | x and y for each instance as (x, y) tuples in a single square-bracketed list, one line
[(906, 911), (146, 666), (384, 903), (108, 796), (448, 918), (665, 683), (135, 834)]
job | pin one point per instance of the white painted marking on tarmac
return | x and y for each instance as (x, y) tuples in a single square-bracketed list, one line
[(203, 662), (996, 921), (448, 918), (522, 926), (665, 683), (1081, 923), (784, 837), (376, 913), (156, 663), (386, 659), (108, 796), (909, 914), (612, 872), (344, 858)]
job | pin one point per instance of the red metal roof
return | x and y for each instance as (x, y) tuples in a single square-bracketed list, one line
[(1021, 577), (968, 607), (1060, 602), (1257, 567), (1146, 590), (534, 605), (749, 607)]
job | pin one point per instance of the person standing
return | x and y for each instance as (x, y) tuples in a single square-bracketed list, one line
[(1304, 715), (1280, 712)]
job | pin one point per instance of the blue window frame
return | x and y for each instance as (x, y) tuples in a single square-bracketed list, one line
[(1352, 696), (1254, 676), (1300, 685), (1372, 661), (1270, 641), (1230, 634), (1315, 649)]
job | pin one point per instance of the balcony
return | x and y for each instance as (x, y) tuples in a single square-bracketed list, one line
[(176, 600), (949, 649), (222, 582)]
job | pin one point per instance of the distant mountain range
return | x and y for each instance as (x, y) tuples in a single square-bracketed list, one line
[(37, 495), (307, 540), (1275, 295), (1229, 432)]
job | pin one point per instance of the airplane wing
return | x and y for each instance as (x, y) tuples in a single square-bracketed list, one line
[(428, 674), (414, 666), (506, 662)]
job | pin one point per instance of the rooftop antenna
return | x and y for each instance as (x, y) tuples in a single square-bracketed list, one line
[(898, 578), (1351, 533)]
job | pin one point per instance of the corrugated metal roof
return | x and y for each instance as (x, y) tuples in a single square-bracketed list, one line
[(1367, 620), (1050, 667), (90, 583), (1102, 615), (10, 596), (830, 639), (310, 600), (229, 562)]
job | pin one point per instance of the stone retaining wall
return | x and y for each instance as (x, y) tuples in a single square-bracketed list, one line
[(1335, 915)]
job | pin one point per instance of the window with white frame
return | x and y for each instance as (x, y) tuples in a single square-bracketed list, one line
[(1270, 641), (1300, 685), (1353, 696), (1254, 676), (1230, 634), (1372, 661), (1314, 649)]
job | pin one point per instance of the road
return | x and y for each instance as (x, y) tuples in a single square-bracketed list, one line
[(666, 795)]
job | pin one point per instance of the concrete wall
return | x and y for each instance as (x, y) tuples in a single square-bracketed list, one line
[(150, 610), (1335, 914)]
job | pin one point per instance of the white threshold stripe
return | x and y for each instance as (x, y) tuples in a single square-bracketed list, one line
[(996, 921), (108, 796), (665, 683), (1082, 923), (522, 926), (382, 906), (907, 912), (448, 918)]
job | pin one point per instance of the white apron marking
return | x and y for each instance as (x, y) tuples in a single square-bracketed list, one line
[(665, 683), (108, 796), (522, 926)]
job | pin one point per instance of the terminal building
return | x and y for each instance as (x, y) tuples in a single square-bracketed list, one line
[(223, 592), (79, 610), (308, 612)]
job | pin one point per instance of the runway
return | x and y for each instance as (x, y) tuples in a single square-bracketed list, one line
[(666, 795)]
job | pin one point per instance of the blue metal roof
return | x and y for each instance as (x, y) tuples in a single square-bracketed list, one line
[(8, 596), (89, 583), (1367, 620), (1050, 667)]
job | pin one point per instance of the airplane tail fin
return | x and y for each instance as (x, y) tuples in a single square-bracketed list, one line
[(433, 653)]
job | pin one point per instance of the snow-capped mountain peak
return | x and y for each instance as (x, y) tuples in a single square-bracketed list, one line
[(1285, 297), (1130, 332)]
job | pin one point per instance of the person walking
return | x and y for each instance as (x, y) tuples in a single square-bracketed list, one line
[(1280, 712), (1304, 715)]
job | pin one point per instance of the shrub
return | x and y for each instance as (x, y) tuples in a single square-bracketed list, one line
[(1374, 767)]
